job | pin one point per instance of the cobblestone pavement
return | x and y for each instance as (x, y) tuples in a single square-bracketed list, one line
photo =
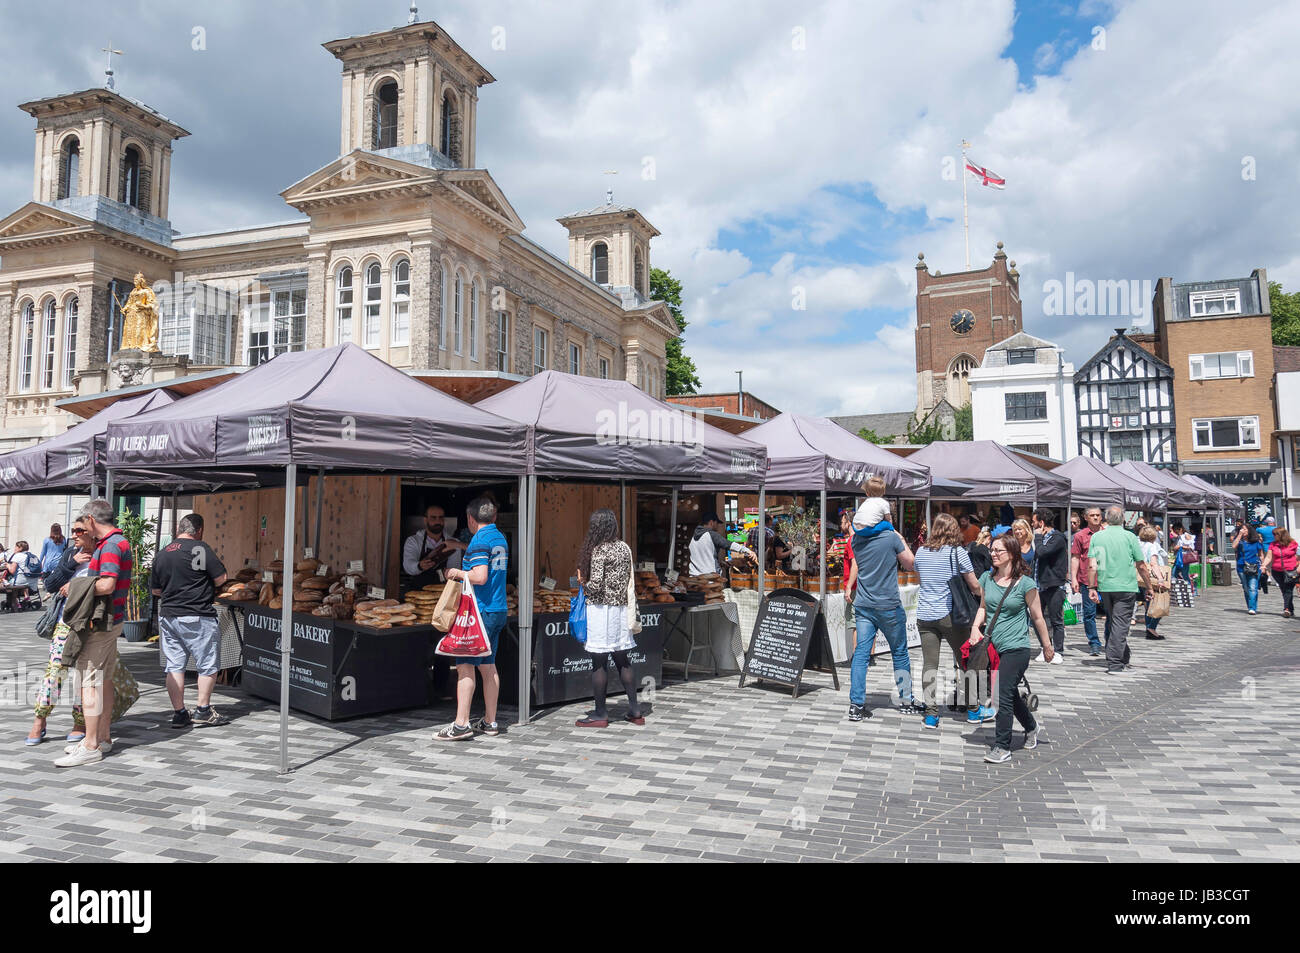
[(1189, 756)]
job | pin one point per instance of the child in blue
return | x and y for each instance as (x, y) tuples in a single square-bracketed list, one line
[(484, 565)]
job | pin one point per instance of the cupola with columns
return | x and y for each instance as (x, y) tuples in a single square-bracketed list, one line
[(610, 244)]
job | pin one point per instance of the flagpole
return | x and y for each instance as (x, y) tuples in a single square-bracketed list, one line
[(965, 209)]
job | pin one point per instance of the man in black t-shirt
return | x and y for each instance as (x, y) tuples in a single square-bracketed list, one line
[(186, 575)]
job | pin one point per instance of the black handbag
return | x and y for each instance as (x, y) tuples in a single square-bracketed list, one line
[(964, 603), (49, 619)]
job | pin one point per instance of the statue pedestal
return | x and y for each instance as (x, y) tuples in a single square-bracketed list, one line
[(131, 367)]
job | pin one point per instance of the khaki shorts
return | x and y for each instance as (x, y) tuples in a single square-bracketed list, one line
[(98, 657)]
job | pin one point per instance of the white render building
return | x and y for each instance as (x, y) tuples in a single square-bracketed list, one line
[(1022, 396)]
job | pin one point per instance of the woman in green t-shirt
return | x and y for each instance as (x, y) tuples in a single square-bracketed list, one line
[(1010, 584)]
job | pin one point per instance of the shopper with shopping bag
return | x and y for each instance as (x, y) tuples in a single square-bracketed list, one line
[(482, 611), (1155, 598), (604, 569)]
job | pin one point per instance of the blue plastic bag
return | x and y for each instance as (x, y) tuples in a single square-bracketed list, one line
[(578, 616)]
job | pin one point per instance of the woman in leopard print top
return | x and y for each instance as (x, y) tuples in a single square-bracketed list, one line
[(605, 570)]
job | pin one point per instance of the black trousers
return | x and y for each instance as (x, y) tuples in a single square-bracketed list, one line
[(1011, 668), (1053, 600)]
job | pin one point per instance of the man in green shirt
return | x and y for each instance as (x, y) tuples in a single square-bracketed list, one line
[(1115, 564)]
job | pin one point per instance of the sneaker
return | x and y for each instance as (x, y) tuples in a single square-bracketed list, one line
[(1095, 650), (79, 756), (105, 747), (1154, 636), (997, 755), (858, 712), (1057, 660), (182, 719), (1033, 737), (1114, 669), (485, 727), (914, 707), (1250, 612), (1041, 657), (931, 721), (455, 732), (210, 719)]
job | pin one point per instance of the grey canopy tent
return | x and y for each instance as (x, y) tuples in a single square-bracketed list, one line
[(336, 408), (816, 454), (1095, 483), (993, 473), (1182, 496), (592, 429)]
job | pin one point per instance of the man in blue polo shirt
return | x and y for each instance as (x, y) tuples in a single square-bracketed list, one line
[(484, 566)]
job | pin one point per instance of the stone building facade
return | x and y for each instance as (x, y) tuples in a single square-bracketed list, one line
[(401, 245)]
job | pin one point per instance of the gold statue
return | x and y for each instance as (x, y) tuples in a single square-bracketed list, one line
[(140, 318)]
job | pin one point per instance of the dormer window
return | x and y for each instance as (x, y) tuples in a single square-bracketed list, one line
[(1205, 304), (130, 192), (385, 134), (1020, 355), (600, 263)]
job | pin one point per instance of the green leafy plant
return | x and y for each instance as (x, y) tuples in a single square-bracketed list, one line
[(139, 532), (870, 436)]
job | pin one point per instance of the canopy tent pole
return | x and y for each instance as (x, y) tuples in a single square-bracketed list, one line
[(526, 605), (175, 517), (523, 585), (762, 536), (108, 486), (320, 502), (927, 517), (672, 533), (286, 611), (622, 511), (94, 491), (821, 549), (388, 526)]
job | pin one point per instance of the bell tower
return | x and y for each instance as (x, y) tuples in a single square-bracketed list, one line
[(105, 157), (957, 317), (610, 244), (410, 93)]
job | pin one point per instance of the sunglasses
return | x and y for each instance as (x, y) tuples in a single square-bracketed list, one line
[(78, 532)]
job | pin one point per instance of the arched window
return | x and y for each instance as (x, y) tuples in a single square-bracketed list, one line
[(71, 312), (374, 294), (458, 322), (401, 331), (475, 300), (447, 143), (26, 347), (69, 168), (130, 191), (638, 274), (343, 306), (385, 134), (444, 312), (49, 344), (959, 379), (600, 263)]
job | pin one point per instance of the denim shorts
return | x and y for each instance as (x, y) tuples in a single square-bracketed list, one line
[(493, 622), (194, 635)]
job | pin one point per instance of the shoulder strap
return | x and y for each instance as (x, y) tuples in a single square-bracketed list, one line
[(1005, 592)]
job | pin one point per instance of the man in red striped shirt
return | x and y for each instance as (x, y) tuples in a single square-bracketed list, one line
[(111, 566)]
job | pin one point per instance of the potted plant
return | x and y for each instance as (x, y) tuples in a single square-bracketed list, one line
[(138, 532)]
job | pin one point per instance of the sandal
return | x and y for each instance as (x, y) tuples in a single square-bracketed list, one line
[(34, 740), (591, 721), (75, 736)]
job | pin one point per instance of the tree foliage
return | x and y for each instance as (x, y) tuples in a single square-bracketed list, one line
[(1286, 315), (680, 376), (869, 435), (965, 420)]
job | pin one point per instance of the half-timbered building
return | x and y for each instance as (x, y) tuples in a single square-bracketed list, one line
[(1124, 396)]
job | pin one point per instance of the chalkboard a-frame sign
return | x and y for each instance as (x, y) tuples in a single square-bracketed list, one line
[(790, 627)]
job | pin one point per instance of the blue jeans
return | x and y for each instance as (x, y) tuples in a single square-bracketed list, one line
[(1089, 618), (1250, 586), (893, 623), (1183, 572)]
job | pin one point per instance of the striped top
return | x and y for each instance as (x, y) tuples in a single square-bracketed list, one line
[(935, 566), (113, 558)]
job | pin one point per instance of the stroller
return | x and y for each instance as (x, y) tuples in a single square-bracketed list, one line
[(1026, 690)]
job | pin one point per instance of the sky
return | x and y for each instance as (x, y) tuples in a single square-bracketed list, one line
[(795, 157)]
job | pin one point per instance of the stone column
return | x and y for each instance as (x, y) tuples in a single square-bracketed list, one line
[(7, 339), (319, 298), (424, 281)]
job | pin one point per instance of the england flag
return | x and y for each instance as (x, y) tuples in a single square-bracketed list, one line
[(986, 176)]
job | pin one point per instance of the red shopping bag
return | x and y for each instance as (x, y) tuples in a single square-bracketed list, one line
[(468, 636)]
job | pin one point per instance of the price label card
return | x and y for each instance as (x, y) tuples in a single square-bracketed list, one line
[(268, 576), (374, 592), (671, 576), (308, 553), (646, 567), (350, 582), (357, 565), (322, 570), (277, 554), (547, 583), (250, 563)]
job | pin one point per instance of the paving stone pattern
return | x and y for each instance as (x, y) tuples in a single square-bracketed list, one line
[(1191, 755)]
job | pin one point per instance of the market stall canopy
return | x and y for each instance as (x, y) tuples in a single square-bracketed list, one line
[(587, 427), (813, 453), (1181, 494), (1095, 483), (336, 407), (993, 472), (1220, 499)]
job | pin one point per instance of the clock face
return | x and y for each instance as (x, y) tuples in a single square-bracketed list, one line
[(963, 321)]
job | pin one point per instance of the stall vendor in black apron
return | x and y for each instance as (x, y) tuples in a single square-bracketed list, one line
[(429, 551)]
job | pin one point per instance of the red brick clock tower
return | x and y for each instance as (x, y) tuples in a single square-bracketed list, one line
[(957, 317)]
